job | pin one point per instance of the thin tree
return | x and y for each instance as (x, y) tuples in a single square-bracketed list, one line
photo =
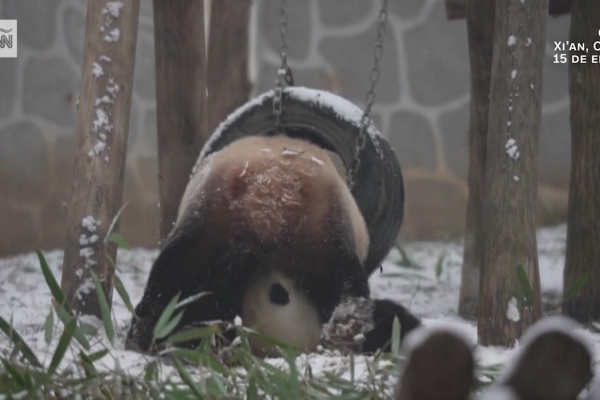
[(228, 84), (480, 30), (179, 42), (582, 265), (509, 298), (102, 130)]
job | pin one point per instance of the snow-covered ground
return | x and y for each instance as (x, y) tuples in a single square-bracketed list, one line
[(430, 288)]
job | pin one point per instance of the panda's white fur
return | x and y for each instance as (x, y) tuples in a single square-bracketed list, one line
[(296, 323)]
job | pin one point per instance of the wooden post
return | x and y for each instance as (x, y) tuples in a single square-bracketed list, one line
[(457, 9), (511, 174), (583, 231), (102, 129), (228, 83), (480, 30), (180, 99)]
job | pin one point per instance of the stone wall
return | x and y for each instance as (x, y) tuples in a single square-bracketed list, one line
[(422, 107)]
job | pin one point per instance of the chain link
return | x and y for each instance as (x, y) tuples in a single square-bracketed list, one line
[(366, 120), (284, 73)]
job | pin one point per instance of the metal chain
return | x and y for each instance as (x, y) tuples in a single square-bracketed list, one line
[(361, 140), (284, 73)]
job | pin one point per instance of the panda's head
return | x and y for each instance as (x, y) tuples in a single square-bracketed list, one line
[(275, 307)]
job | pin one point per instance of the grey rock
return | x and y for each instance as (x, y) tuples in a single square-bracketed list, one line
[(36, 19), (23, 152), (455, 136), (336, 13), (411, 137)]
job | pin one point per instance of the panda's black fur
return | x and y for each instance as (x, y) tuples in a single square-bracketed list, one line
[(268, 225)]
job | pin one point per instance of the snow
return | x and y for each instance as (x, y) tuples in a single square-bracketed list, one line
[(113, 8), (512, 312), (113, 36), (433, 296), (512, 40), (97, 70), (512, 149), (342, 108), (528, 42), (316, 160), (513, 74)]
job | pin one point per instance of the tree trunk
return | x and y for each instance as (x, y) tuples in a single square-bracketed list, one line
[(180, 99), (511, 174), (583, 231), (228, 84), (480, 28), (102, 130), (457, 9)]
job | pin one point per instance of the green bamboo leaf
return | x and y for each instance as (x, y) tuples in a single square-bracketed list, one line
[(14, 373), (168, 328), (191, 299), (98, 355), (151, 371), (105, 309), (187, 379), (577, 286), (123, 294), (165, 317), (396, 336), (439, 265), (193, 334), (49, 327), (88, 365), (51, 282), (65, 317), (19, 343), (526, 286), (119, 241), (63, 345)]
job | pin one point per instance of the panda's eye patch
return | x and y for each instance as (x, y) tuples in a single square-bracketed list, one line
[(278, 295)]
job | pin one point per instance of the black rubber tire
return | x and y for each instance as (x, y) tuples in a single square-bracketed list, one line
[(378, 189)]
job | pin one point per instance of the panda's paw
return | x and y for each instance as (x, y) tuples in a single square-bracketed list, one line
[(350, 322)]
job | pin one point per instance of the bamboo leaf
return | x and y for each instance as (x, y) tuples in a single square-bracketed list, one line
[(165, 317), (48, 327), (119, 241), (65, 317), (193, 334), (396, 336), (577, 286), (191, 299), (526, 286), (19, 343), (14, 373), (51, 282), (63, 345), (187, 379), (105, 309), (151, 371), (168, 328), (123, 294)]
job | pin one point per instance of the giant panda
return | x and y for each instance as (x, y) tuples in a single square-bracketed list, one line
[(269, 229)]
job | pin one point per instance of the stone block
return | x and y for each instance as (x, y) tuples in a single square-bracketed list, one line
[(411, 137)]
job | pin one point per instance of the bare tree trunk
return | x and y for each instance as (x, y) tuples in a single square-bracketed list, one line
[(102, 129), (511, 174), (583, 232), (480, 28), (180, 99), (228, 84), (457, 9)]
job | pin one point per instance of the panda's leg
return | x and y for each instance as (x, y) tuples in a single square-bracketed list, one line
[(383, 319), (191, 262)]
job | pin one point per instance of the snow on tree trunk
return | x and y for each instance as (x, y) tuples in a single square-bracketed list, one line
[(511, 174), (228, 84), (582, 264), (180, 99), (480, 28), (102, 130)]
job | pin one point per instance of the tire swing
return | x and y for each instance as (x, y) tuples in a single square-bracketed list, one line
[(337, 125)]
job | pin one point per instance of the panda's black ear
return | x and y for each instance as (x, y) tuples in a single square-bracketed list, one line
[(383, 318)]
